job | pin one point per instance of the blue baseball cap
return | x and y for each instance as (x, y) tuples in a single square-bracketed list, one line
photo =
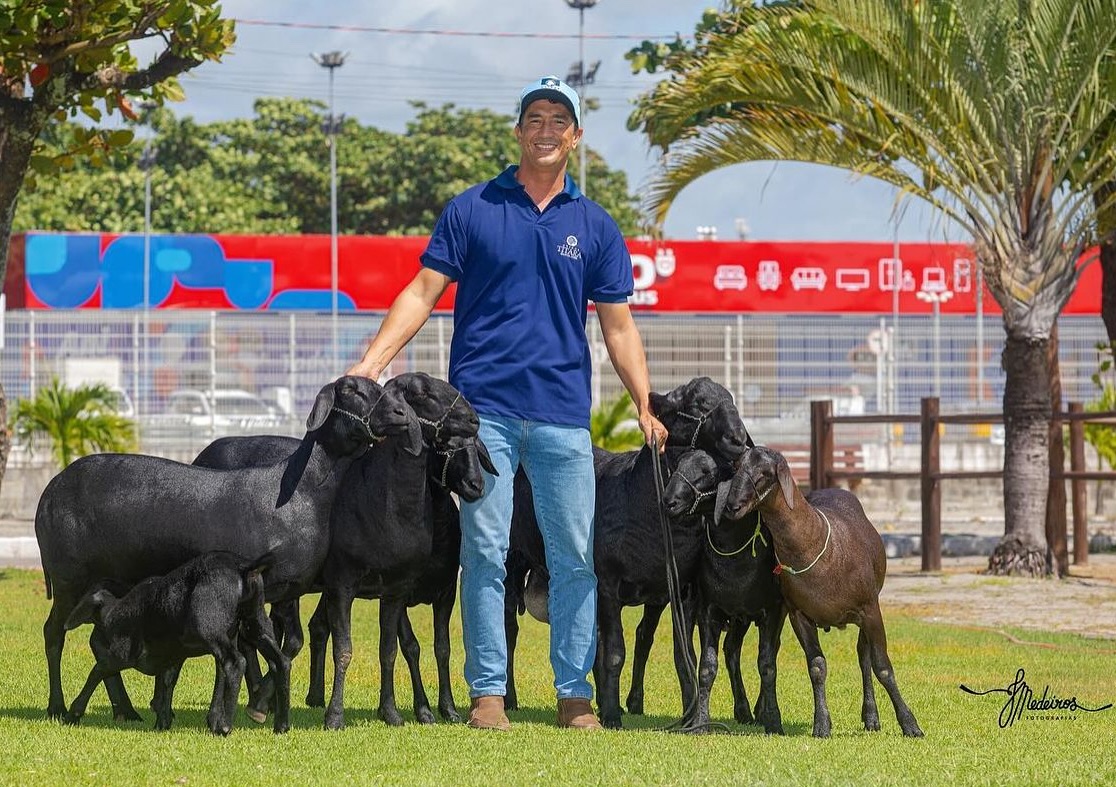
[(554, 89)]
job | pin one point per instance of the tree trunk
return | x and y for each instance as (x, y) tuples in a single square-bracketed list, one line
[(1107, 227), (1057, 554), (1022, 550), (20, 126)]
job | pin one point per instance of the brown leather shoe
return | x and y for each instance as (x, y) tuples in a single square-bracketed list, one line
[(487, 713), (577, 713)]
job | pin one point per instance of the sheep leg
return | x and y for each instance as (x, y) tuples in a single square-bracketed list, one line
[(807, 634), (869, 713), (443, 611), (611, 654), (259, 685), (229, 672), (319, 637), (709, 627), (881, 666), (81, 701), (122, 708), (261, 635), (409, 646), (339, 606), (767, 704), (734, 642), (685, 661), (644, 639), (54, 639), (390, 611), (165, 683), (511, 635)]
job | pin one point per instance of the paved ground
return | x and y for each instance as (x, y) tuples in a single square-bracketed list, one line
[(961, 594)]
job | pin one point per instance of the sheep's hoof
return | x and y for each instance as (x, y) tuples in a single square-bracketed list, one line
[(449, 713), (257, 716), (334, 721), (913, 731), (281, 729), (127, 714), (390, 716), (425, 716), (612, 722), (70, 719), (315, 699), (635, 706)]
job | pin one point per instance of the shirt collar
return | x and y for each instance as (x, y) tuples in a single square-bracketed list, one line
[(506, 180)]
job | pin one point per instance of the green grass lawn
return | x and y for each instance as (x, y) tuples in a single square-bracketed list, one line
[(963, 745)]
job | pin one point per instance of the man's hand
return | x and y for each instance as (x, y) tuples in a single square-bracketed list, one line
[(653, 430)]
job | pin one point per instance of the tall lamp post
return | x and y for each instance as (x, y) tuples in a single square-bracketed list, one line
[(333, 61), (582, 77), (147, 161), (936, 298)]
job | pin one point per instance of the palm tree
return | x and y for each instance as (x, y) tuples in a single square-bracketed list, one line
[(994, 111), (609, 425), (76, 421)]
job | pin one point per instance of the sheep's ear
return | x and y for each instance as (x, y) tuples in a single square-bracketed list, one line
[(723, 489), (485, 459), (322, 405), (786, 482), (414, 436), (661, 405), (88, 609)]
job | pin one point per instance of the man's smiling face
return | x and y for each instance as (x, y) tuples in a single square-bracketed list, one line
[(547, 134)]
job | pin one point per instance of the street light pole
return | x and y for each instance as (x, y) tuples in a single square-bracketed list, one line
[(936, 298), (581, 5), (146, 163), (332, 61)]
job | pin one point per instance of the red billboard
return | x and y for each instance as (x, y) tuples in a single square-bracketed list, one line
[(250, 272)]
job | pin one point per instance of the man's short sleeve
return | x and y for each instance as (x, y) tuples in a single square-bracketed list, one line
[(610, 280), (445, 253)]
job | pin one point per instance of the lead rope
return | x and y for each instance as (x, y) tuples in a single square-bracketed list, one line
[(781, 567), (674, 590)]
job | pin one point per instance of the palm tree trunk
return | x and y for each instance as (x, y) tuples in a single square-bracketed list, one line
[(1057, 554), (1022, 550)]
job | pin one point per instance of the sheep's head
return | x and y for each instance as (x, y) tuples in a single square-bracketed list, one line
[(701, 414), (760, 473), (441, 409), (693, 484), (352, 412), (460, 466)]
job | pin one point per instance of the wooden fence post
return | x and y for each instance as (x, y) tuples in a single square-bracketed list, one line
[(931, 486), (1077, 485), (821, 443)]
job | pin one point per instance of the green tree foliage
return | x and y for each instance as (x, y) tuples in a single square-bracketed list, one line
[(610, 425), (997, 113), (59, 58), (77, 421), (270, 174)]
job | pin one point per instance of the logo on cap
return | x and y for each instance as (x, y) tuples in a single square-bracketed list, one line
[(551, 83)]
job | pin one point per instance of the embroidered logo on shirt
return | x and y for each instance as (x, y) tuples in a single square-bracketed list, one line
[(569, 248)]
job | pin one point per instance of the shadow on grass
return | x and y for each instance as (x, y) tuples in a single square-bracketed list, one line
[(658, 723)]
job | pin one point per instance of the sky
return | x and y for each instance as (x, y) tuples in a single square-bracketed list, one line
[(480, 53)]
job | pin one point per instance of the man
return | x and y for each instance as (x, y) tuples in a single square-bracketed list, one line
[(528, 251)]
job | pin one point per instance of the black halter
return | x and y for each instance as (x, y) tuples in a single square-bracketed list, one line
[(440, 422), (365, 420), (698, 496), (702, 418), (448, 454)]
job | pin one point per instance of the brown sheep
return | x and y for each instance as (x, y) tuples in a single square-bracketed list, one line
[(831, 563)]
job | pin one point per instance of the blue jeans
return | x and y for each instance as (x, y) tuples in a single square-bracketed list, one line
[(558, 461)]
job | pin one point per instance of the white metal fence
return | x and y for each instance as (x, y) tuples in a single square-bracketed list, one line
[(773, 364)]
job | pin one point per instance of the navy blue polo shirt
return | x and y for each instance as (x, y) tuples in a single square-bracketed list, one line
[(524, 281)]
